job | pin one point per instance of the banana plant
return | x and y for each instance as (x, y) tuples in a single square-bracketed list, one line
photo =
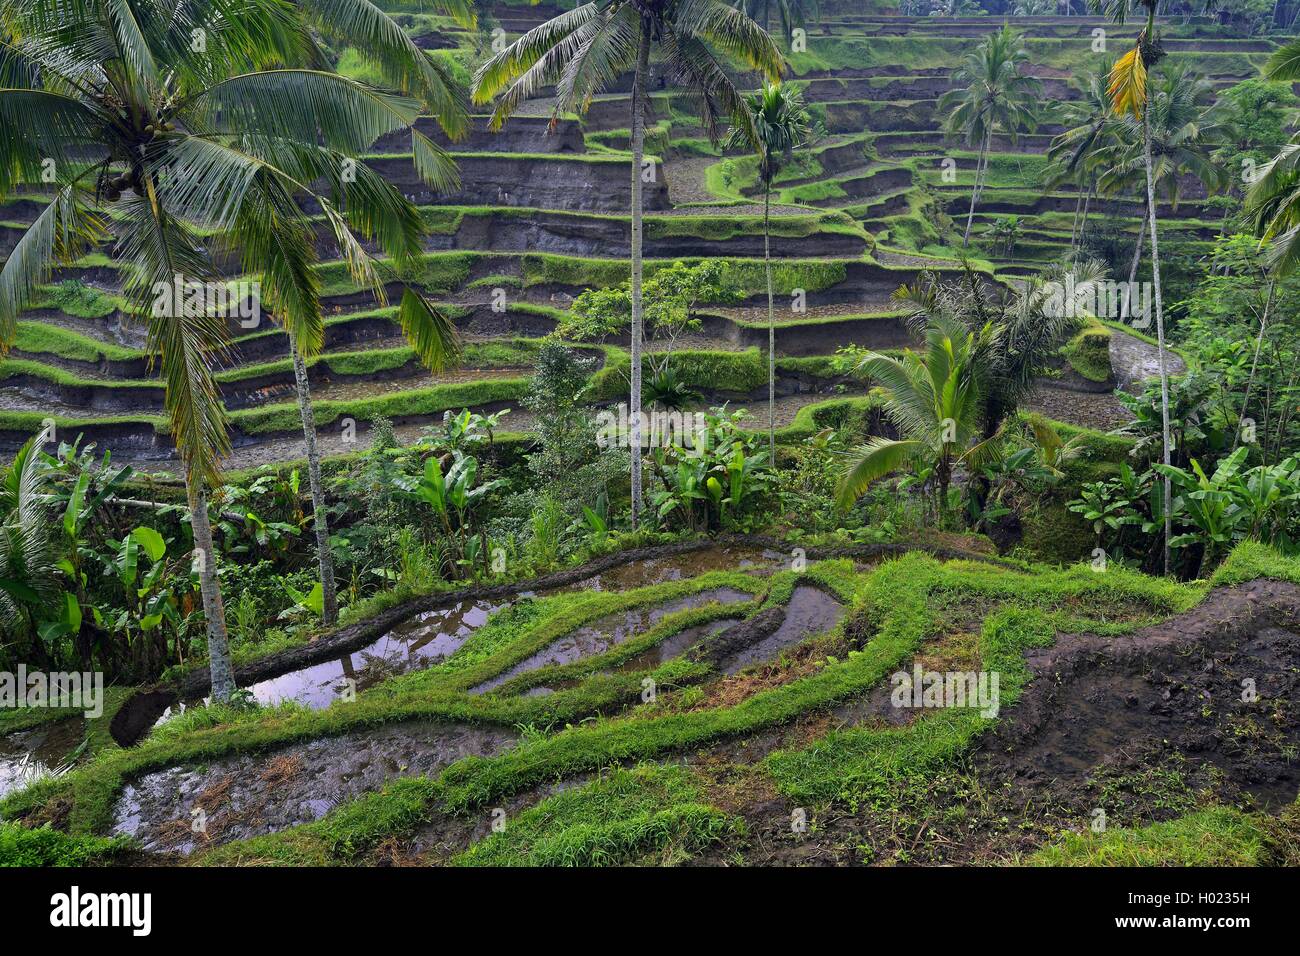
[(1208, 503), (306, 604), (685, 483), (718, 481), (462, 430), (141, 568), (454, 497), (1100, 505), (595, 522), (1268, 495)]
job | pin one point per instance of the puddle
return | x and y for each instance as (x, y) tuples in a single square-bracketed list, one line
[(182, 808), (810, 611), (415, 644), (602, 634), (420, 642), (28, 755), (639, 574)]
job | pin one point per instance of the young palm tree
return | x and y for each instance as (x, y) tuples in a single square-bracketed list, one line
[(782, 125), (935, 400), (585, 50), (1029, 325), (1131, 95), (157, 129), (992, 94), (29, 582)]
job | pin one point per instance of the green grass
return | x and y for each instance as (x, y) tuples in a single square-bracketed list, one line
[(44, 846), (1216, 836), (12, 368), (272, 419), (909, 599), (40, 338), (648, 814), (1088, 353)]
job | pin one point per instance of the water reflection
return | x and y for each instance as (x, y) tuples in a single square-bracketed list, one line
[(414, 644)]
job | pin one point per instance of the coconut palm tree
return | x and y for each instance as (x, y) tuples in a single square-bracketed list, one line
[(585, 50), (1131, 96), (992, 94), (163, 131), (782, 125), (1184, 132), (935, 400)]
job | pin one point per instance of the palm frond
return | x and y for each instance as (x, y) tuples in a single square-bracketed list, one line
[(64, 230), (1128, 84), (407, 68), (304, 106), (871, 461), (430, 331)]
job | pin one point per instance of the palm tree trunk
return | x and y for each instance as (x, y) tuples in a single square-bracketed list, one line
[(214, 610), (324, 553), (1133, 269), (1074, 226), (638, 150), (1160, 319), (771, 320), (1087, 201), (1254, 364), (975, 192)]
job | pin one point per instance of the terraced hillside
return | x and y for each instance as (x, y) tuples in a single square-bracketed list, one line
[(707, 702), (541, 214)]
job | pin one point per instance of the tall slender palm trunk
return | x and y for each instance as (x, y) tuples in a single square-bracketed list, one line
[(638, 151), (1254, 363), (214, 610), (1074, 225), (1133, 267), (320, 516), (771, 315), (979, 180), (1160, 321)]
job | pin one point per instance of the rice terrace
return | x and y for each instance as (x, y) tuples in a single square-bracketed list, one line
[(707, 433)]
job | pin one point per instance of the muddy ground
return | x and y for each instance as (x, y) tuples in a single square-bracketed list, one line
[(1144, 727), (181, 809)]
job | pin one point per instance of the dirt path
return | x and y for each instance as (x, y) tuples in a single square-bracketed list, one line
[(1134, 360), (1099, 410)]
